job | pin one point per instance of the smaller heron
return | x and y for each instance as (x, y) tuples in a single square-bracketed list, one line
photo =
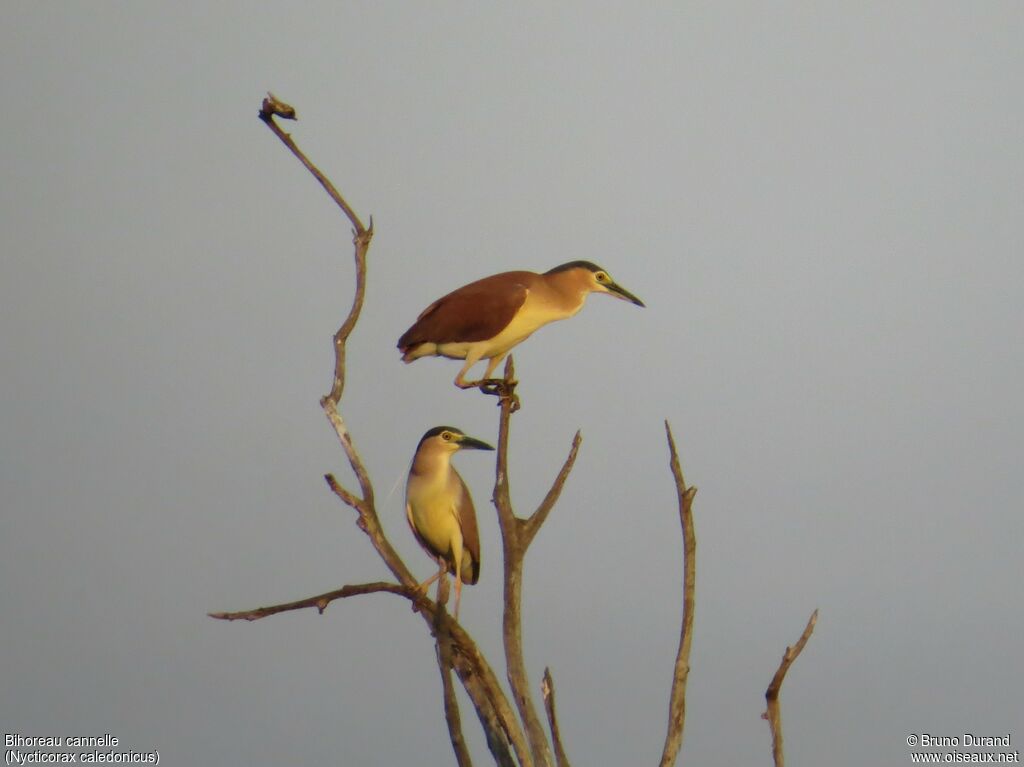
[(486, 318), (440, 509)]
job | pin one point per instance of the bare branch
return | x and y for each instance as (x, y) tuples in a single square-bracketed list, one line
[(346, 496), (361, 240), (444, 665), (774, 712), (677, 698), (547, 688), (501, 497), (273, 107), (475, 673), (320, 601), (541, 514)]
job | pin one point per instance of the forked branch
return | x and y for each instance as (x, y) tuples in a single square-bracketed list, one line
[(515, 539)]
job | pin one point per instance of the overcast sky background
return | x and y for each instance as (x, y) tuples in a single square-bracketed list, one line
[(822, 208)]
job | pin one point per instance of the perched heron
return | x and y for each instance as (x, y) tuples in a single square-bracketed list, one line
[(440, 509), (486, 318)]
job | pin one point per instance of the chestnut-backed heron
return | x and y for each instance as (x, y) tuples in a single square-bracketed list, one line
[(486, 318)]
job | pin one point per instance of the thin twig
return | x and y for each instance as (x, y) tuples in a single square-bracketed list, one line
[(320, 601), (514, 549), (346, 495), (547, 688), (681, 672), (774, 712), (538, 517), (273, 107)]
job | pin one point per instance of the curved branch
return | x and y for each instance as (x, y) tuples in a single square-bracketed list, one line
[(677, 698), (361, 237), (320, 601), (774, 712), (272, 107)]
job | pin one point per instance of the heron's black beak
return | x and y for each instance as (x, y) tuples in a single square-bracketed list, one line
[(471, 443), (620, 292)]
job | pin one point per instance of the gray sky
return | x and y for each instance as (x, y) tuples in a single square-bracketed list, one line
[(822, 209)]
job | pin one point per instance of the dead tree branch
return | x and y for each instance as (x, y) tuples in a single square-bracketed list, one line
[(362, 236), (476, 674), (547, 689), (444, 665), (774, 712), (514, 736), (677, 698), (456, 649), (271, 108), (320, 601)]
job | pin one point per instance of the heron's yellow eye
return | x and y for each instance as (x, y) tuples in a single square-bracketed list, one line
[(446, 436), (601, 277)]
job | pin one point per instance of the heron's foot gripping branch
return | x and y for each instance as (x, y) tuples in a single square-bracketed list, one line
[(502, 389)]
